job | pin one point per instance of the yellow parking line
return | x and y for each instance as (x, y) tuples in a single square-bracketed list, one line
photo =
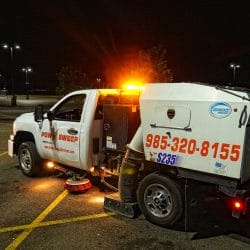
[(22, 236), (4, 153), (56, 222)]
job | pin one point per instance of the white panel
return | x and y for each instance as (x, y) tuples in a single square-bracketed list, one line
[(214, 144)]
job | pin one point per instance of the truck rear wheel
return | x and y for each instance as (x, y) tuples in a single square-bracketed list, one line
[(160, 199), (29, 159)]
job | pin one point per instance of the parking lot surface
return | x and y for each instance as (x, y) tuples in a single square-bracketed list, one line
[(37, 213)]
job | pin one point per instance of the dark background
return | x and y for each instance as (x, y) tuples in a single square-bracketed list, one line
[(202, 37)]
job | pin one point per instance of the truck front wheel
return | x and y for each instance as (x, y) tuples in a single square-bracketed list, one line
[(29, 159), (160, 199)]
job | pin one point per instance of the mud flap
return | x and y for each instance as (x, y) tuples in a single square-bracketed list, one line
[(128, 209)]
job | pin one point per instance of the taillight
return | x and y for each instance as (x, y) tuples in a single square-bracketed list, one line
[(238, 208), (237, 205)]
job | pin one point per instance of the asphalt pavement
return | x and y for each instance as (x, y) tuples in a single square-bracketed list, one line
[(10, 112)]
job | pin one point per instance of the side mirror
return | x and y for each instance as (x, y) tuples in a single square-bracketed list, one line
[(38, 114), (50, 115)]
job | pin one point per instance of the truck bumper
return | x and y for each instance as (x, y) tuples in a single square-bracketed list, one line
[(11, 146)]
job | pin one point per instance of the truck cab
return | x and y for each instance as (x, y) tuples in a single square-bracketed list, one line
[(84, 130)]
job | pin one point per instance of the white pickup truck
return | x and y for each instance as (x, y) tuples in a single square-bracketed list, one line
[(153, 140)]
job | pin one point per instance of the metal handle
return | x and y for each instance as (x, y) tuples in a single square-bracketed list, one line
[(243, 116), (178, 128), (72, 131)]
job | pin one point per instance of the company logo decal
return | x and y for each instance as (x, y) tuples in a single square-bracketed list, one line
[(220, 168), (220, 110)]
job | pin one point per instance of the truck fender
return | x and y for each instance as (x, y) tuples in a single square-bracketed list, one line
[(22, 136)]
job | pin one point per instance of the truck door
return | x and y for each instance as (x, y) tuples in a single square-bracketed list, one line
[(60, 137)]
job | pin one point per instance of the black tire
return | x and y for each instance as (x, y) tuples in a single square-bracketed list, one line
[(160, 199), (29, 160)]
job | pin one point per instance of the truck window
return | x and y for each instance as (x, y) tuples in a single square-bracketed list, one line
[(70, 109)]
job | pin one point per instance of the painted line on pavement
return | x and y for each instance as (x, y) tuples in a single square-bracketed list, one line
[(56, 222), (4, 153), (22, 236)]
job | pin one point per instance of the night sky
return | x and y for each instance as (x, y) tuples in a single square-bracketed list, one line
[(202, 37)]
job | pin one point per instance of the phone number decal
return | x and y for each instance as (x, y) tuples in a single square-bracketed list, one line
[(224, 151)]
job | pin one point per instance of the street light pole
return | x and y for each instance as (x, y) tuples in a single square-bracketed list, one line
[(27, 70), (3, 91), (0, 81), (234, 67), (12, 47)]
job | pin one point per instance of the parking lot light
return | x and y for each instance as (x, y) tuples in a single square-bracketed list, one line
[(27, 70), (234, 67), (12, 48)]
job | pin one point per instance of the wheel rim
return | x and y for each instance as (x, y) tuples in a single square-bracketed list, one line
[(158, 200), (25, 160)]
